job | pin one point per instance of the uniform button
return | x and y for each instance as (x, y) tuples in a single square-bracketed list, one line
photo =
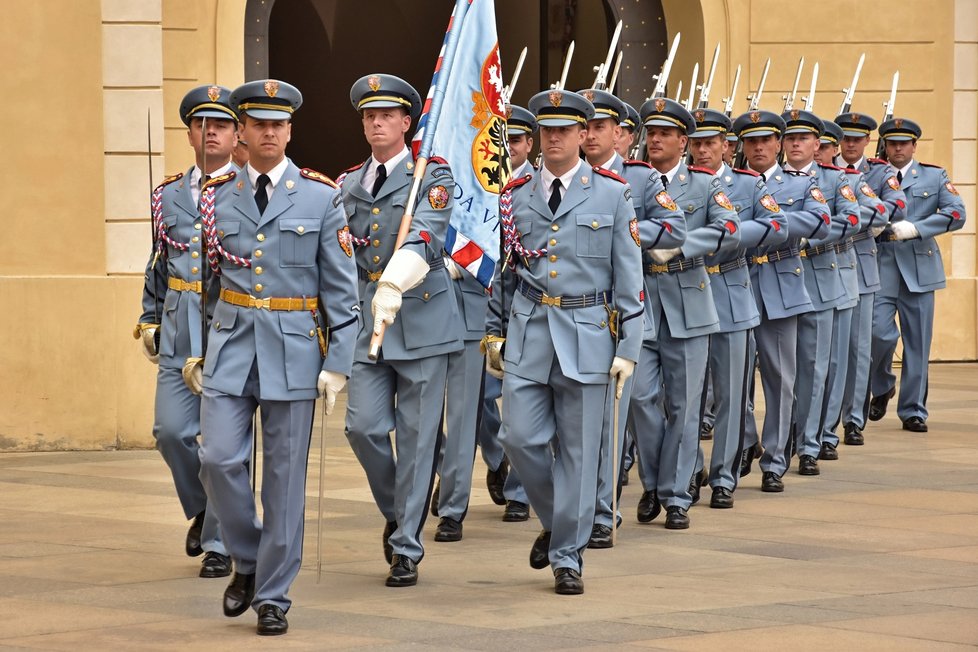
[(197, 226), (553, 258), (791, 201), (376, 259), (301, 229), (554, 227), (195, 239), (553, 242), (925, 193), (594, 224), (260, 237), (194, 270), (930, 252), (312, 333), (375, 211), (798, 270), (689, 208), (553, 273), (217, 325), (258, 253), (702, 285), (258, 270), (221, 233), (194, 254), (603, 324), (376, 243), (259, 287), (426, 296), (374, 226), (832, 265)]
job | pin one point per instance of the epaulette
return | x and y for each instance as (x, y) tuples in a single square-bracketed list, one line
[(747, 172), (353, 169), (437, 160), (851, 171), (216, 181), (168, 180), (828, 166), (317, 176), (697, 168), (931, 165), (517, 182), (633, 161), (609, 174), (878, 161)]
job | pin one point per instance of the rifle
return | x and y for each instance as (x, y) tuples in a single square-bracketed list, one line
[(729, 100), (754, 100), (851, 90), (601, 69), (659, 91), (508, 90), (708, 83), (810, 98), (559, 86), (679, 91), (692, 88), (888, 114), (789, 99)]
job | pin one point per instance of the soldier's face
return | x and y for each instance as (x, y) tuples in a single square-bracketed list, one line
[(625, 142), (385, 128), (600, 142), (561, 146), (761, 152), (266, 141), (853, 147), (519, 149), (665, 145), (217, 141), (800, 149), (708, 152), (826, 153), (728, 152), (900, 152)]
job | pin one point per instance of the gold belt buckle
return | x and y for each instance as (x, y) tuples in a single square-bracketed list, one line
[(548, 300), (761, 259), (715, 269), (265, 303), (659, 269)]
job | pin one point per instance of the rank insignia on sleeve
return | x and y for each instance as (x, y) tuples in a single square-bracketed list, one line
[(818, 196), (866, 190), (893, 183), (345, 239), (846, 191), (665, 201), (633, 229), (768, 202), (721, 199), (950, 188), (438, 197)]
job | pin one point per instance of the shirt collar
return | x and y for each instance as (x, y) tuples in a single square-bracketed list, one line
[(392, 162), (771, 172), (671, 174), (565, 179), (195, 173), (274, 175), (607, 164), (806, 170)]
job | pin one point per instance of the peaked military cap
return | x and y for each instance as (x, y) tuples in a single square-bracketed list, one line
[(754, 124), (663, 112), (710, 122), (519, 121), (833, 133), (207, 102), (385, 92), (605, 104), (732, 136), (900, 129), (555, 108), (632, 120), (266, 99), (799, 121), (855, 124)]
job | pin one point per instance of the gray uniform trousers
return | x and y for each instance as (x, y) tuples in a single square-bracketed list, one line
[(727, 370), (490, 433), (855, 403), (775, 343), (813, 351), (400, 477), (271, 547), (560, 472), (835, 380)]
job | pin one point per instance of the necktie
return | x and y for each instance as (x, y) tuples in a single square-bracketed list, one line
[(261, 195), (554, 202), (764, 176), (665, 182), (899, 176), (851, 167), (203, 179), (379, 181)]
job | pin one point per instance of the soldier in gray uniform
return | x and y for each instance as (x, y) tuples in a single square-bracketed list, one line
[(404, 389), (881, 182), (667, 396), (779, 289), (762, 223), (911, 270), (626, 138), (282, 334), (822, 280), (572, 285), (171, 309)]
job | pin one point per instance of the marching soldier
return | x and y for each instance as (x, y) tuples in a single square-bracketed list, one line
[(779, 289), (171, 311), (881, 182), (911, 270), (281, 335), (762, 223), (572, 289), (822, 280), (411, 291), (667, 394)]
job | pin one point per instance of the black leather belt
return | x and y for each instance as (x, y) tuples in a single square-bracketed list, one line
[(843, 247), (862, 235), (774, 256), (373, 277), (730, 265), (675, 265), (566, 301), (817, 250)]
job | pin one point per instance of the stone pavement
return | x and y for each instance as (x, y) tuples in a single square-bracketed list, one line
[(878, 553)]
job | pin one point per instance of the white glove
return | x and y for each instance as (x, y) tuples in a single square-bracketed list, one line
[(621, 370), (453, 268), (876, 230), (329, 385), (148, 339), (663, 256), (494, 359), (904, 230), (803, 243), (193, 375), (405, 270)]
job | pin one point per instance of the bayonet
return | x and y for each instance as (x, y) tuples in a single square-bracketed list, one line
[(789, 99), (851, 90), (663, 77), (754, 100), (679, 91), (601, 78), (508, 91), (692, 87), (708, 84), (888, 114), (729, 100), (810, 98), (614, 75), (567, 62)]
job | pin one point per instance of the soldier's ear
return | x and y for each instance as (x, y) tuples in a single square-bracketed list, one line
[(288, 131)]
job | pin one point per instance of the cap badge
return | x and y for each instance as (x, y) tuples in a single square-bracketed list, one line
[(555, 98), (213, 93), (373, 81), (794, 114), (898, 123), (271, 88), (700, 115), (660, 104), (755, 116), (588, 95), (509, 111), (856, 117)]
